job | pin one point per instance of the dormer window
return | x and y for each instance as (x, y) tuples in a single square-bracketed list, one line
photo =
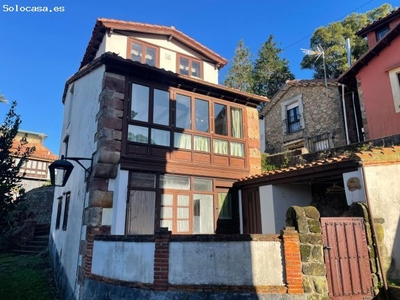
[(189, 66), (143, 53), (381, 32)]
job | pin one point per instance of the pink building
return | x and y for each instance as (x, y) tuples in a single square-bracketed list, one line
[(376, 78)]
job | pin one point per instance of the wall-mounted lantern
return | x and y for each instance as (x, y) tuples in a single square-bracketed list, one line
[(64, 167)]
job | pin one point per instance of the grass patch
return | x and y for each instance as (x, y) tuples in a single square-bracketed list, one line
[(26, 277)]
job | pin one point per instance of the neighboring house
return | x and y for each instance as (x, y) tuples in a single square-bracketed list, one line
[(332, 183), (376, 78), (35, 169), (305, 115), (167, 143)]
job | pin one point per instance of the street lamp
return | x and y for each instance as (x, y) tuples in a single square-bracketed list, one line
[(63, 166)]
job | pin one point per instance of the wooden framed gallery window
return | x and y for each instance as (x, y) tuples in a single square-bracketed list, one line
[(171, 118), (143, 52), (189, 66)]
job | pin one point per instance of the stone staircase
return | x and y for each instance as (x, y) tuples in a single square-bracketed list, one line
[(39, 243)]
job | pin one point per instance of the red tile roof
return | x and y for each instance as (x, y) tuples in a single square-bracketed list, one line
[(102, 25), (375, 156), (394, 14), (41, 152)]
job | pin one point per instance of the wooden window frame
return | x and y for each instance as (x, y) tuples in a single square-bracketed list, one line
[(66, 210), (191, 60), (381, 32), (144, 45), (59, 208), (231, 154), (211, 101)]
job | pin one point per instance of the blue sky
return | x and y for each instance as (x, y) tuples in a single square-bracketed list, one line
[(39, 51)]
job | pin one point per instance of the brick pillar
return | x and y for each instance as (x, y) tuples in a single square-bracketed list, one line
[(161, 259), (291, 249)]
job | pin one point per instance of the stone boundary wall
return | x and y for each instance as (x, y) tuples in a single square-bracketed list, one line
[(306, 221), (289, 258)]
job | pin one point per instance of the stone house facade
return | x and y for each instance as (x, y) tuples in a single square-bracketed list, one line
[(306, 115), (165, 145)]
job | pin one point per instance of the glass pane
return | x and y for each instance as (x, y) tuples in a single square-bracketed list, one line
[(183, 200), (166, 212), (200, 184), (174, 182), (161, 107), (151, 56), (140, 103), (202, 115), (224, 206), (196, 69), (182, 140), (160, 137), (237, 149), (183, 226), (236, 126), (183, 112), (183, 66), (220, 121), (202, 143), (166, 200), (203, 214), (136, 52), (138, 134), (183, 213), (166, 223), (220, 147), (139, 179)]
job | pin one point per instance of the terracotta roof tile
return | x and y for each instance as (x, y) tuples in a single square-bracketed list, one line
[(41, 151), (392, 15)]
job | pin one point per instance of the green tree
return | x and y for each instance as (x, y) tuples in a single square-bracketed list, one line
[(332, 39), (239, 75), (11, 193), (270, 72)]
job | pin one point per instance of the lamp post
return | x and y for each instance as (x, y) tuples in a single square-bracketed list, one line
[(63, 166)]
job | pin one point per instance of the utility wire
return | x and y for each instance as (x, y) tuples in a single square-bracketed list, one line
[(354, 10)]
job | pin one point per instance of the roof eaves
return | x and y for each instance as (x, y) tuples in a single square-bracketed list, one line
[(103, 24), (371, 54), (112, 59), (377, 23)]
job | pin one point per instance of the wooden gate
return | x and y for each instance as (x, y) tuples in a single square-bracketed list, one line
[(251, 211), (346, 258)]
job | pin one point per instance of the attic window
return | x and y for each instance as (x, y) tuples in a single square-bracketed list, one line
[(189, 66), (143, 53), (381, 32)]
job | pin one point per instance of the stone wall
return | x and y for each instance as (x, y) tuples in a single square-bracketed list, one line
[(40, 204), (306, 221), (321, 115)]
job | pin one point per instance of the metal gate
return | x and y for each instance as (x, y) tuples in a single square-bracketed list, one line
[(346, 258)]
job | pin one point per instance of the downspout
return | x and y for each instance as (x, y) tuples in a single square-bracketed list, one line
[(374, 237), (346, 129)]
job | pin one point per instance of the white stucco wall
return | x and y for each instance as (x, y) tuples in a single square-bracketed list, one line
[(117, 43), (80, 125), (382, 183), (230, 263), (275, 200), (127, 261), (119, 186)]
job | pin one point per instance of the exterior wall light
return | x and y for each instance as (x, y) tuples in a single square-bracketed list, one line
[(64, 167)]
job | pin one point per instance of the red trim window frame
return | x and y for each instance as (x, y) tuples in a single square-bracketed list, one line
[(189, 66), (142, 52)]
